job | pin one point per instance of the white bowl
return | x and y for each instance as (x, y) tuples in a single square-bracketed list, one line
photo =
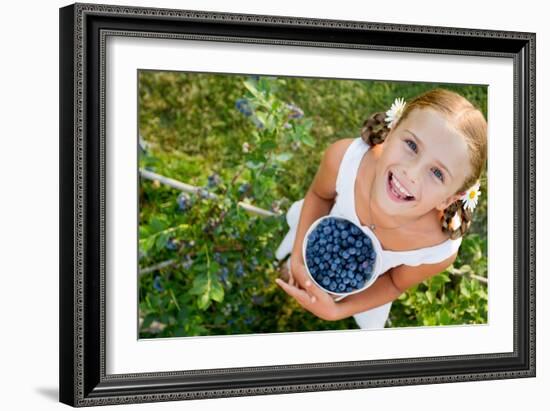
[(374, 243)]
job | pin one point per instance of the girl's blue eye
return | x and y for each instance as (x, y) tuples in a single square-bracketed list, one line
[(438, 173), (413, 143)]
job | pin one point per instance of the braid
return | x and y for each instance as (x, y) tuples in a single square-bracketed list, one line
[(375, 129), (465, 215)]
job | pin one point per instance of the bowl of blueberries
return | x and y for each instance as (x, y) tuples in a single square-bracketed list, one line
[(340, 257)]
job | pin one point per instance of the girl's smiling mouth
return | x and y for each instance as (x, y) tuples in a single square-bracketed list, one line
[(396, 191)]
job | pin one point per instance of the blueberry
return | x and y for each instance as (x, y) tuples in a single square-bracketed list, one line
[(345, 255), (344, 234), (352, 251), (203, 193), (360, 284), (184, 201), (243, 106), (214, 180), (187, 263), (224, 274), (171, 244), (349, 290), (317, 260), (355, 230), (345, 280), (243, 188), (358, 277), (353, 283), (157, 284), (326, 281), (239, 269), (341, 287), (358, 244), (327, 230)]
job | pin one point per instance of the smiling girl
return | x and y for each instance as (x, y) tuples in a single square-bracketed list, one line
[(412, 181)]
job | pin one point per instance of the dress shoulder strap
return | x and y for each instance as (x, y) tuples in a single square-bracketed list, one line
[(349, 165)]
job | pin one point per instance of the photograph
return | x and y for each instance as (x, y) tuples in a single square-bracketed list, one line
[(287, 204), (255, 205)]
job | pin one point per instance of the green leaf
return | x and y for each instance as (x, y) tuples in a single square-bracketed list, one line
[(430, 296), (161, 241), (464, 289), (253, 165), (157, 224), (148, 320), (203, 302), (147, 243), (444, 317), (283, 157), (307, 140), (200, 284), (216, 292), (268, 145), (263, 118), (250, 86)]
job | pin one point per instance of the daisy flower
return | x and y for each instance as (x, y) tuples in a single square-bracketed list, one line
[(396, 110), (455, 222), (471, 197)]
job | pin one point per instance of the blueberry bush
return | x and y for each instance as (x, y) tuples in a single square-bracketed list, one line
[(207, 266)]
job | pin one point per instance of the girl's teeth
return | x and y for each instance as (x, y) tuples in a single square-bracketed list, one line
[(401, 188)]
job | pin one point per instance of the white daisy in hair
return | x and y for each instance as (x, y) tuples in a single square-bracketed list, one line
[(455, 222), (470, 198), (396, 110)]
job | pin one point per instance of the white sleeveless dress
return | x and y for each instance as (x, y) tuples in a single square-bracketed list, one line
[(344, 206)]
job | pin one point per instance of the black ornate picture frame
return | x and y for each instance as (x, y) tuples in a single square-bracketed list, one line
[(83, 221)]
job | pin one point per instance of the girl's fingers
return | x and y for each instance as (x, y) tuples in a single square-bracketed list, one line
[(300, 295), (291, 280), (315, 291)]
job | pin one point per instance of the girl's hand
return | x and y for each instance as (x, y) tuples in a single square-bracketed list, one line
[(313, 299), (298, 273)]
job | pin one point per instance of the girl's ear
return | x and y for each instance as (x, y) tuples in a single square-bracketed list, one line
[(446, 203)]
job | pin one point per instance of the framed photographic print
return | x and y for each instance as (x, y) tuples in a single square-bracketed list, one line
[(270, 204)]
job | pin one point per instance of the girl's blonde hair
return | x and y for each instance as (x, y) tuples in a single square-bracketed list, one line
[(466, 119)]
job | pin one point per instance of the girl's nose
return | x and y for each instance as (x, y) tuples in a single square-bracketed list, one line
[(411, 173)]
